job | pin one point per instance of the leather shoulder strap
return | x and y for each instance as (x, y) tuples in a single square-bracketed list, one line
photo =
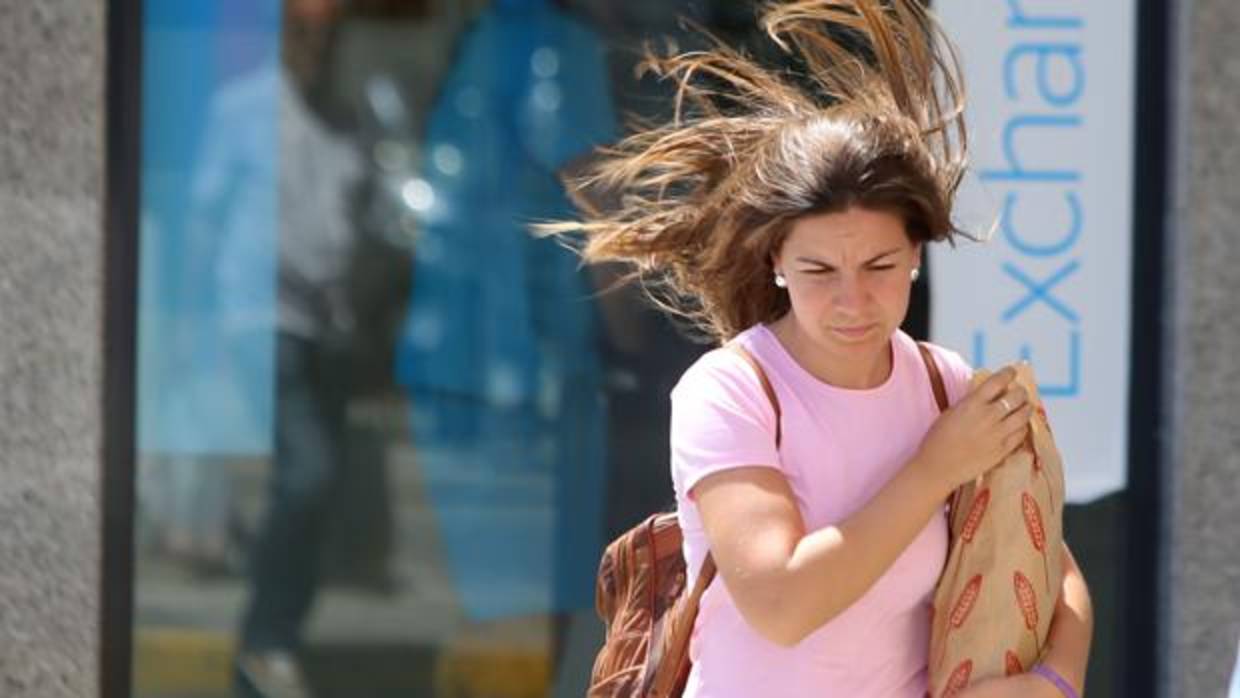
[(766, 387), (940, 396), (936, 378)]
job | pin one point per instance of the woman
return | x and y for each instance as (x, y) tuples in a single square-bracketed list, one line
[(788, 212)]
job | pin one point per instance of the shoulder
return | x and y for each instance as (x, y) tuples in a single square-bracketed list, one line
[(718, 370), (723, 369), (721, 419), (952, 366), (724, 377), (950, 361)]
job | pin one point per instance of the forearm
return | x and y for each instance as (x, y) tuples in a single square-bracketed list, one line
[(831, 568), (1072, 626)]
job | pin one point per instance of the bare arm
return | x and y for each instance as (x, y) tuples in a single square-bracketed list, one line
[(1067, 650), (788, 582), (1071, 627)]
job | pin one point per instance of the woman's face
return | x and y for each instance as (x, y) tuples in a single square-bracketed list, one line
[(849, 277)]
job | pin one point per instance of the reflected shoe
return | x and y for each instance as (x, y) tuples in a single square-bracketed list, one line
[(272, 674)]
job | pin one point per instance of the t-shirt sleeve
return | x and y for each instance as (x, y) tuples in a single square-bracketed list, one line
[(955, 370), (721, 419)]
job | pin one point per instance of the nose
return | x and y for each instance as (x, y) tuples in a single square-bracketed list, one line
[(852, 294)]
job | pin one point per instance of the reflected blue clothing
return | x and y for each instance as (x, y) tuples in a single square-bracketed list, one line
[(500, 349), (212, 178)]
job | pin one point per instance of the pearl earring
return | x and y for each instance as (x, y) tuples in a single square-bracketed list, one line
[(780, 281), (916, 274)]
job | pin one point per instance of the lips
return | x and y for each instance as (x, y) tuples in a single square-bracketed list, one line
[(854, 331)]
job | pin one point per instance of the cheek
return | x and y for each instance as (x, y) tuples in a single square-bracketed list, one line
[(811, 296), (894, 294), (811, 307)]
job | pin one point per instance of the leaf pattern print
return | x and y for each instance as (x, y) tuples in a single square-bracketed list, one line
[(960, 611), (976, 513), (1036, 530), (1011, 664), (959, 680), (1027, 600)]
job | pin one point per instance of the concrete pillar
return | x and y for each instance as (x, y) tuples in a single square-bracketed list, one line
[(1201, 491), (51, 188)]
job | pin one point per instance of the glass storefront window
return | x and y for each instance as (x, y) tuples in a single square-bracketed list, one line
[(383, 431)]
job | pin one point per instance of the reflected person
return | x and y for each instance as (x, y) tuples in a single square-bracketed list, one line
[(500, 352), (316, 170)]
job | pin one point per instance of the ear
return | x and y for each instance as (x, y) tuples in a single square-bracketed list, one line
[(917, 255)]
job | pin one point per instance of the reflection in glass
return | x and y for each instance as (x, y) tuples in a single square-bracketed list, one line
[(314, 325), (500, 352), (379, 420)]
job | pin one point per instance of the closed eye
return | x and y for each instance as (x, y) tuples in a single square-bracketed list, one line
[(831, 270)]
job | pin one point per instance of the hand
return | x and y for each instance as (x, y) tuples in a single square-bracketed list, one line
[(978, 432), (1018, 686)]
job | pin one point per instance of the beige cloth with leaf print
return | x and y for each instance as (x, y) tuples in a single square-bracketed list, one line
[(993, 604)]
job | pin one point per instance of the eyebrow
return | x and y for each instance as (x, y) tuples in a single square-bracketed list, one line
[(871, 260)]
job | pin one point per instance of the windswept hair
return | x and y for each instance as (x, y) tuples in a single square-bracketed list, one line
[(872, 117)]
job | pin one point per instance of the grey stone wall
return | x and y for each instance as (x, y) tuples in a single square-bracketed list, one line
[(51, 184), (1203, 469)]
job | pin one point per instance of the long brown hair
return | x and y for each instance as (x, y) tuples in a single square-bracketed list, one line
[(700, 204)]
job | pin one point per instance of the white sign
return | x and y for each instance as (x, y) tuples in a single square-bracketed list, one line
[(1050, 85)]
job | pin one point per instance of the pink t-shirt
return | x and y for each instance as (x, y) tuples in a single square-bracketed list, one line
[(839, 448)]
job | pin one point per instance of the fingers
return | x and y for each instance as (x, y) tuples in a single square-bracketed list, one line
[(994, 386), (1014, 398), (999, 395), (1015, 427)]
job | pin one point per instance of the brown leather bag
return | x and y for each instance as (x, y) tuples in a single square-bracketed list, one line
[(640, 592)]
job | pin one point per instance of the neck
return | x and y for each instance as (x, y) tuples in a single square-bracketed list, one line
[(863, 369)]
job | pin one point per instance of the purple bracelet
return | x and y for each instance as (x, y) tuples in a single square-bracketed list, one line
[(1053, 676)]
